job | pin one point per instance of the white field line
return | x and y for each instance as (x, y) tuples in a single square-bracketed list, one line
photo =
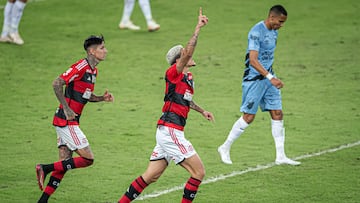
[(251, 169)]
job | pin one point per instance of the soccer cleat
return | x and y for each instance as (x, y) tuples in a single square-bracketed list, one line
[(128, 25), (16, 39), (40, 175), (153, 26), (225, 155), (5, 39), (287, 161)]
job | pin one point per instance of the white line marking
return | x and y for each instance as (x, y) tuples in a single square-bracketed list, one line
[(251, 169)]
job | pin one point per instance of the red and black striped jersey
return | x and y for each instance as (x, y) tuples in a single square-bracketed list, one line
[(80, 80), (178, 94)]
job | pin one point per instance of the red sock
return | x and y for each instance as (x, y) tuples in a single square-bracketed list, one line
[(54, 182), (190, 190), (81, 162), (136, 187), (77, 162)]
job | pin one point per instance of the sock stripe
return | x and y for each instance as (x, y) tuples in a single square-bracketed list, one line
[(140, 180), (194, 181)]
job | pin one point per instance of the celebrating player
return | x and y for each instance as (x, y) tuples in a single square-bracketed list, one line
[(79, 80), (171, 143)]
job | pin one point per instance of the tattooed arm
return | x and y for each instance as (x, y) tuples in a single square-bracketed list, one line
[(58, 85), (107, 96), (208, 115), (188, 51)]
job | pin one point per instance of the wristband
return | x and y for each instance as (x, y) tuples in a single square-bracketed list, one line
[(269, 76)]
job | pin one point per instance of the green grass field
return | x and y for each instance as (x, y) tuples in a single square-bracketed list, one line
[(317, 57)]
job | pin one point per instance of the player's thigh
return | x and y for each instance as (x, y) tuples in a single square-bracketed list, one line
[(271, 100), (71, 136), (194, 166), (253, 92), (154, 170)]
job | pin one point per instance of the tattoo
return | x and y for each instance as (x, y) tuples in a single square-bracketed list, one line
[(94, 98), (196, 107), (193, 40), (58, 89)]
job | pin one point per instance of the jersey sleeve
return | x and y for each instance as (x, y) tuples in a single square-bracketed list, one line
[(75, 72), (254, 39), (173, 75)]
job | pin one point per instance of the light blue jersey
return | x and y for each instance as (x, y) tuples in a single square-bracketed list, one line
[(257, 90), (262, 40)]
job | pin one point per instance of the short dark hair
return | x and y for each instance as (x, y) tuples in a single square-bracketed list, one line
[(93, 40), (279, 10)]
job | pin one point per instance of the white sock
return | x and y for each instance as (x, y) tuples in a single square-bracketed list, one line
[(128, 9), (237, 129), (7, 19), (145, 7), (16, 14), (278, 133)]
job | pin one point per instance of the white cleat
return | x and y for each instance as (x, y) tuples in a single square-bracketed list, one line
[(5, 39), (153, 26), (225, 155), (128, 25), (287, 161), (16, 39)]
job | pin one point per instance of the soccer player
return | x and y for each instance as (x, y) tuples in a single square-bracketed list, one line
[(171, 143), (79, 80), (126, 23), (260, 86), (13, 12)]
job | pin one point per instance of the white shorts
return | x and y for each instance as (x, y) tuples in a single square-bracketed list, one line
[(72, 137), (171, 144)]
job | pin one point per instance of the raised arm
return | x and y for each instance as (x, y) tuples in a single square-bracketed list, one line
[(188, 51)]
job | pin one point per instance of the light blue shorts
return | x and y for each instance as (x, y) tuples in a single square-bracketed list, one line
[(260, 93)]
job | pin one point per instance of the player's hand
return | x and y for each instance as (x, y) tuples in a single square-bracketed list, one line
[(108, 97), (202, 19), (208, 115), (277, 82), (69, 114)]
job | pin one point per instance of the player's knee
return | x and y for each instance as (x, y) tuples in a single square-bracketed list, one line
[(277, 114), (248, 118), (199, 174)]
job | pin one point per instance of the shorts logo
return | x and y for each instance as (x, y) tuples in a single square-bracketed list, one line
[(154, 154), (250, 105)]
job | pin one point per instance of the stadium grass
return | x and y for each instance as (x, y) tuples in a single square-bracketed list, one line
[(316, 57)]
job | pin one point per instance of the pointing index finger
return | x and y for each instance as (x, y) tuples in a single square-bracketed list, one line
[(200, 11)]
